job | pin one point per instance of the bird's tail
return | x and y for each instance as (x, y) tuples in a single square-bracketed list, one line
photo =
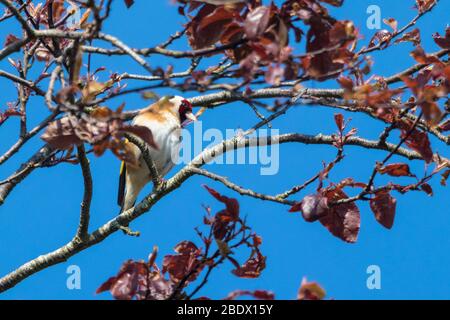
[(130, 185), (122, 183)]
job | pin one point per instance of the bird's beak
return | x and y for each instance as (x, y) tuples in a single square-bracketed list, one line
[(191, 116)]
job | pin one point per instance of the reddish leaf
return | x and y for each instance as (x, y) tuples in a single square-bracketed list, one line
[(274, 74), (444, 177), (380, 38), (208, 26), (257, 240), (375, 98), (233, 33), (220, 14), (421, 57), (419, 142), (296, 207), (350, 182), (383, 206), (129, 3), (185, 262), (257, 294), (256, 22), (158, 287), (431, 111), (427, 95), (314, 207), (224, 220), (231, 204), (424, 5), (391, 22), (342, 220), (412, 36), (102, 128), (126, 284), (343, 32), (427, 189), (252, 268), (323, 35), (443, 42), (396, 170), (346, 83), (339, 119), (186, 247), (61, 134), (222, 224), (10, 38)]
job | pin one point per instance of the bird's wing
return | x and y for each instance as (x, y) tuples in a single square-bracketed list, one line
[(121, 193)]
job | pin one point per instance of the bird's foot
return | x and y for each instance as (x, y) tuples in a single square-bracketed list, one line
[(162, 183), (126, 230)]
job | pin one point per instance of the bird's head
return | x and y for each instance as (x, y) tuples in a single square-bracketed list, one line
[(184, 109)]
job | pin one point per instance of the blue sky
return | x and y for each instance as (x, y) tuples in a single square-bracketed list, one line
[(42, 212)]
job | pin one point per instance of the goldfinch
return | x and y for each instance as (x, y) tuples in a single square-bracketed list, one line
[(165, 119)]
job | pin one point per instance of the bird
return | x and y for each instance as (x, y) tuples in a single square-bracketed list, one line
[(165, 119)]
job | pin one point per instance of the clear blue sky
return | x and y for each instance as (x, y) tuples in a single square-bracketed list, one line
[(42, 212)]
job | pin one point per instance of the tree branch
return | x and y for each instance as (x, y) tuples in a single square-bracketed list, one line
[(22, 140), (238, 189), (83, 227), (165, 52), (156, 178), (112, 226), (16, 13), (24, 170), (395, 34), (119, 44)]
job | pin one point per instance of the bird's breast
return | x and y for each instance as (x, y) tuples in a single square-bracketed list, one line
[(167, 136)]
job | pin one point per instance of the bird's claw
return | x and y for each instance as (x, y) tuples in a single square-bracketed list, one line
[(129, 232), (162, 183)]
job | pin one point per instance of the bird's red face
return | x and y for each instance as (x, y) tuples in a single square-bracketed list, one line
[(185, 111)]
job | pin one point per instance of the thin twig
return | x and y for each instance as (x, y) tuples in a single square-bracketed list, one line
[(156, 178)]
